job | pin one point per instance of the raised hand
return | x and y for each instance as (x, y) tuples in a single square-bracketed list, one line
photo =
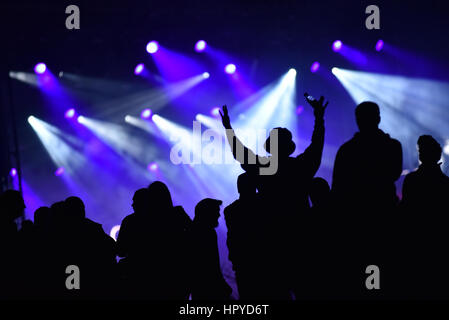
[(318, 105), (225, 118)]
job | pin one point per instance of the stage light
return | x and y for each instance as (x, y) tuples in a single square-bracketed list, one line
[(61, 74), (59, 171), (40, 68), (379, 45), (80, 119), (172, 131), (200, 46), (117, 137), (230, 68), (13, 172), (69, 113), (138, 69), (143, 124), (153, 167), (152, 47), (274, 107), (178, 88), (63, 149), (206, 75), (336, 46), (335, 70), (211, 122), (315, 66), (215, 111), (145, 114)]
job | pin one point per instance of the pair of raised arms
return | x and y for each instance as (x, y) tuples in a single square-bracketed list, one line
[(318, 110)]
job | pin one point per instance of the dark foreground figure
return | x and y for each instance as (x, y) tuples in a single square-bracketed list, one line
[(290, 236)]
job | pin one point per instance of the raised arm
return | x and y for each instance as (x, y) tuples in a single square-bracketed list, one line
[(240, 152), (312, 155)]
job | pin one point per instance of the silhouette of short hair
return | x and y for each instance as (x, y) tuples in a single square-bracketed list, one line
[(11, 205), (285, 143), (246, 184), (205, 207), (367, 115), (42, 216), (429, 149), (75, 208)]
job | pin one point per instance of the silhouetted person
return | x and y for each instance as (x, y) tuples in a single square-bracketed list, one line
[(208, 282), (277, 174), (282, 182), (245, 250), (318, 237), (42, 219), (425, 193), (77, 240), (153, 242), (426, 190), (367, 166), (36, 242), (363, 188), (12, 207)]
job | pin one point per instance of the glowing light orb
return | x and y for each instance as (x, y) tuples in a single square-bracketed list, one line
[(200, 46), (315, 66), (145, 114), (69, 113), (336, 46), (40, 68), (152, 47), (230, 68), (138, 69)]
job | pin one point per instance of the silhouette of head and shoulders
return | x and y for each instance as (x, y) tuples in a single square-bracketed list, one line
[(367, 166), (285, 145), (207, 212), (244, 212), (428, 186), (12, 207), (430, 152), (367, 115)]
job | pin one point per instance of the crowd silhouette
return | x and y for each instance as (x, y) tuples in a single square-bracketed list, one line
[(290, 234)]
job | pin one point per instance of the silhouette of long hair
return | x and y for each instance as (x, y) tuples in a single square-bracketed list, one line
[(160, 196)]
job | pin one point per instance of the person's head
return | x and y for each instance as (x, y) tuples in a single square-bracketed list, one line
[(429, 150), (42, 217), (246, 185), (280, 142), (367, 116), (160, 196), (12, 205), (319, 191), (75, 209), (207, 212), (57, 210), (141, 201)]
